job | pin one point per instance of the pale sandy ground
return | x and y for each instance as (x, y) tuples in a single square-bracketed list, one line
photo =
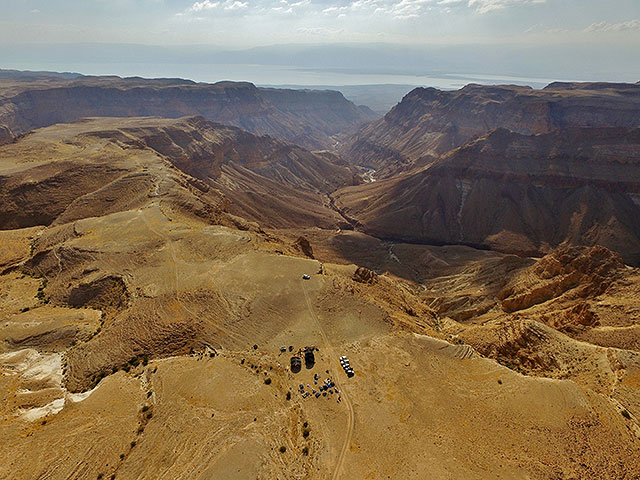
[(422, 406)]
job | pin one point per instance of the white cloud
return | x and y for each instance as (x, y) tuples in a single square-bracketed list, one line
[(237, 5), (597, 27), (396, 9), (320, 31), (404, 9), (486, 6), (285, 6), (356, 5), (228, 5), (614, 27), (334, 9), (204, 5)]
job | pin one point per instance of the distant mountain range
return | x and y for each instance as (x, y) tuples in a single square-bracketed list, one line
[(576, 61), (430, 122), (308, 118)]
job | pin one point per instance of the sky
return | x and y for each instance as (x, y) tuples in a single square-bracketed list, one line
[(603, 34), (246, 23)]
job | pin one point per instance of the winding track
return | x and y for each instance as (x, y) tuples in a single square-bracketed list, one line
[(345, 396), (165, 237)]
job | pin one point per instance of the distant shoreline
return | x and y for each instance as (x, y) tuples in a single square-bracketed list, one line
[(276, 75)]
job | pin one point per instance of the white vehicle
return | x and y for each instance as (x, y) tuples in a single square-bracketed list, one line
[(305, 277)]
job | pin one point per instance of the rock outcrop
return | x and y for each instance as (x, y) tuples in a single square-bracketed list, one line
[(364, 275), (303, 245), (590, 271), (6, 136), (108, 293)]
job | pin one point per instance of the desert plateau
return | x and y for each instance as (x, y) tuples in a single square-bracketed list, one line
[(230, 282), (320, 240)]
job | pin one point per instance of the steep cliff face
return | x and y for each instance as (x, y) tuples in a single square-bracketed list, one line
[(304, 117), (429, 122), (515, 193), (327, 110), (203, 149), (6, 136), (266, 180)]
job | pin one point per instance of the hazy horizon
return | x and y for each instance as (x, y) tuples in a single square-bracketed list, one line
[(445, 67), (332, 42)]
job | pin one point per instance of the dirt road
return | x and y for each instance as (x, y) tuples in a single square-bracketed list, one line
[(345, 396)]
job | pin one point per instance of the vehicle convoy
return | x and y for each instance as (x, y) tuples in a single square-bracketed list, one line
[(344, 361)]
